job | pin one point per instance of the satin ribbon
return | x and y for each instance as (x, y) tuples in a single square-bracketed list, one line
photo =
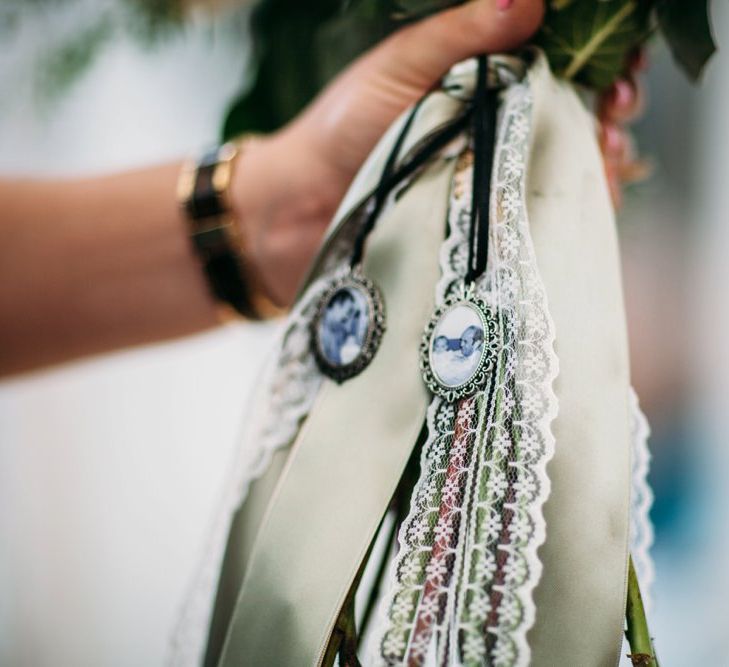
[(344, 467)]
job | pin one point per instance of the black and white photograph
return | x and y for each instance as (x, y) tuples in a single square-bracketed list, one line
[(457, 345), (342, 329)]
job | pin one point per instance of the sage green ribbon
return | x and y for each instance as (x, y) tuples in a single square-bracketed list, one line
[(345, 465), (580, 599), (436, 110)]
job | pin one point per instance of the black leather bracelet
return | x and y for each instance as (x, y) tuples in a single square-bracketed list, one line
[(203, 195)]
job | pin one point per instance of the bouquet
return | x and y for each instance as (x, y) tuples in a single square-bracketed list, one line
[(585, 41), (482, 616)]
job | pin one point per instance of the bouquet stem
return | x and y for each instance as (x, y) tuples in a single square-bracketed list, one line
[(637, 634)]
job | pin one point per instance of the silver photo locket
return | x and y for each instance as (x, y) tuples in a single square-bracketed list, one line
[(348, 326), (458, 349)]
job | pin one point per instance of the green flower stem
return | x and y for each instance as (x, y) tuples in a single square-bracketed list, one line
[(401, 507), (637, 633), (335, 642), (343, 641)]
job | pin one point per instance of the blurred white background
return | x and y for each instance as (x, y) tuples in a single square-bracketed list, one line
[(110, 468)]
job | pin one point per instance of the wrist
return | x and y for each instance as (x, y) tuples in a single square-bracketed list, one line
[(251, 193), (283, 196), (205, 194), (265, 197)]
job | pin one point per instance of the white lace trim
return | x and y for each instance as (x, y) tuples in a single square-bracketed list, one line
[(461, 589), (288, 388), (641, 527)]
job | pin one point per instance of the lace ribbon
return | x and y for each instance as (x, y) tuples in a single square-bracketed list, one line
[(461, 588), (641, 500), (288, 388)]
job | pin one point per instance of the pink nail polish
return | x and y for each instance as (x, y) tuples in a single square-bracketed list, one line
[(614, 140), (501, 5), (639, 60), (624, 95)]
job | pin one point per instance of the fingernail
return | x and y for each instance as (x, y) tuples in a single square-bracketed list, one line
[(624, 95), (614, 141), (501, 5), (638, 60)]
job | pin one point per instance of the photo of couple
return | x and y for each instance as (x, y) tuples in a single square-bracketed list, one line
[(343, 325), (457, 346)]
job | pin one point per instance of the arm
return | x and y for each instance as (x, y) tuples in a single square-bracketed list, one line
[(96, 264)]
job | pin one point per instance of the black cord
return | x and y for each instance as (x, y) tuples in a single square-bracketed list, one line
[(391, 175), (381, 191), (484, 140), (483, 115)]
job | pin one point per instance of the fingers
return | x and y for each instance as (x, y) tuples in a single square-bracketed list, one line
[(421, 54), (621, 164), (624, 101), (352, 113), (614, 146), (621, 104)]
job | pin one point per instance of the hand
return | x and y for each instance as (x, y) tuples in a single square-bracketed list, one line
[(621, 104), (287, 186)]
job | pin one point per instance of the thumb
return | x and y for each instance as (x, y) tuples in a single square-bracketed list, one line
[(422, 53)]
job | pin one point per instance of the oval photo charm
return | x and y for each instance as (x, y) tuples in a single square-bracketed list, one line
[(348, 326), (458, 348)]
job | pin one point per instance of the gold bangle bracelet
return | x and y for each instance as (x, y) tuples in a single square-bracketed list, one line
[(204, 195)]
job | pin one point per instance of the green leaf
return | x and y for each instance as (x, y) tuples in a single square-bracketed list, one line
[(685, 25), (589, 41)]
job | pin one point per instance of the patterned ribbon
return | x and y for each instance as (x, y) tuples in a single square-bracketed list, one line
[(461, 588)]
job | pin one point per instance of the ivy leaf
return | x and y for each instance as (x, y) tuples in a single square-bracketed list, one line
[(589, 41), (686, 27)]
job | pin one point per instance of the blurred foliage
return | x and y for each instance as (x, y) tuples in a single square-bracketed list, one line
[(145, 19), (71, 58), (686, 26), (66, 54), (285, 65), (587, 41), (299, 46)]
